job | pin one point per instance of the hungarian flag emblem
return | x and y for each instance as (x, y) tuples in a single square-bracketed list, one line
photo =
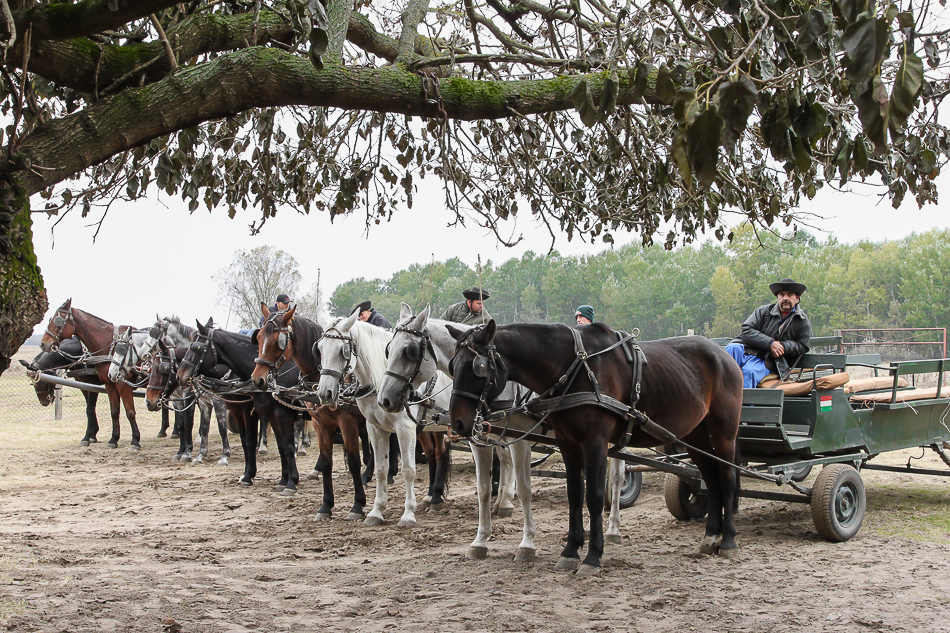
[(825, 403)]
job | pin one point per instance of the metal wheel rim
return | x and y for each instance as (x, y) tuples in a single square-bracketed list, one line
[(846, 504)]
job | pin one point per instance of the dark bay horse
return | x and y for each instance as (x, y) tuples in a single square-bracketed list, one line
[(68, 356), (284, 337), (98, 335), (689, 386), (213, 347), (163, 387)]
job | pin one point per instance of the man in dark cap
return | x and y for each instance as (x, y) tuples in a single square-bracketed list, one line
[(282, 303), (471, 311), (774, 337), (369, 314), (584, 315)]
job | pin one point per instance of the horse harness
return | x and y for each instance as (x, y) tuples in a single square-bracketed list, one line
[(485, 365), (284, 335), (416, 352)]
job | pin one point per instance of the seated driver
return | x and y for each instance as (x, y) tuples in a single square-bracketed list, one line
[(774, 337)]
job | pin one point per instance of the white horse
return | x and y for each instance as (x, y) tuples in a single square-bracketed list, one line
[(410, 361), (351, 345), (443, 345)]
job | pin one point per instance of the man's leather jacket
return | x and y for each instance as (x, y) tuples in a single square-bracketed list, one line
[(765, 325)]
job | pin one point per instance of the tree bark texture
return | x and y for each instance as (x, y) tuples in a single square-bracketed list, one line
[(22, 295)]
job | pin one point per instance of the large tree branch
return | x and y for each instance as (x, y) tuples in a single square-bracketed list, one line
[(262, 77), (61, 21), (414, 13)]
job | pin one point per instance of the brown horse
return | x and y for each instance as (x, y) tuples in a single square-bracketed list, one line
[(690, 388), (284, 338), (98, 336)]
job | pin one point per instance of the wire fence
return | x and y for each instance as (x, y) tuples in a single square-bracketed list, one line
[(19, 401)]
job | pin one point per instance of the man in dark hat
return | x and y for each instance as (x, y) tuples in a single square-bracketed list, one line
[(584, 315), (774, 337), (282, 303), (369, 314), (471, 311)]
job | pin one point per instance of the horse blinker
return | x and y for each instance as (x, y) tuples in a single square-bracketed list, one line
[(481, 367)]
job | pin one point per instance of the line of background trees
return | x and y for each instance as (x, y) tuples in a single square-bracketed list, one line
[(709, 288)]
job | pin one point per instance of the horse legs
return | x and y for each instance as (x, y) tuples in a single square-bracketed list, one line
[(521, 462), (595, 468), (262, 439), (163, 432), (406, 433), (721, 489), (324, 466), (125, 392), (443, 469), (221, 413), (506, 483), (301, 436), (368, 458), (616, 473), (113, 394), (482, 455), (394, 448), (204, 426), (574, 464), (247, 427), (92, 421), (380, 441), (350, 429), (284, 423)]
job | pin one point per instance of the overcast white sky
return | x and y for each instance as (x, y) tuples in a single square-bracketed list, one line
[(157, 239)]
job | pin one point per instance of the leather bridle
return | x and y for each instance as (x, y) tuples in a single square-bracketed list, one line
[(59, 321)]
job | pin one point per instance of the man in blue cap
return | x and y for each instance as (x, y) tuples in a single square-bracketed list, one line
[(282, 304)]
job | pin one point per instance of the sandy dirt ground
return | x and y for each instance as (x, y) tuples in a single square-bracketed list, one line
[(93, 539)]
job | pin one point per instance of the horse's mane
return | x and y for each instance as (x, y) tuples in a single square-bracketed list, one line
[(371, 342), (306, 332)]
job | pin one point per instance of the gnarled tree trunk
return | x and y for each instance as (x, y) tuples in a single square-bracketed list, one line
[(22, 295)]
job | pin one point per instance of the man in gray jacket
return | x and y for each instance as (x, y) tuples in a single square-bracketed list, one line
[(774, 337), (471, 311)]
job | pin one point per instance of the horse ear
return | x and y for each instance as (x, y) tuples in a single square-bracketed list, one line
[(68, 304), (423, 318), (289, 315), (265, 310), (201, 328), (454, 332), (210, 323), (254, 336), (323, 318), (405, 312), (347, 323), (487, 334)]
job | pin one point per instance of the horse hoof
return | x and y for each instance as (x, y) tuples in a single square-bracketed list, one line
[(321, 516), (313, 475), (353, 516), (279, 488), (113, 445), (223, 461), (505, 512), (245, 483), (567, 564), (729, 554), (302, 453), (436, 507), (373, 520), (135, 447), (613, 538), (176, 458), (174, 436), (526, 555), (425, 503), (186, 459), (709, 546), (84, 443), (406, 523), (197, 460), (162, 434), (477, 552), (586, 571), (262, 450), (288, 492)]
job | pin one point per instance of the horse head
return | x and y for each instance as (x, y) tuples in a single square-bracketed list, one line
[(201, 355), (61, 326), (338, 357), (160, 377), (410, 359), (479, 375), (275, 344)]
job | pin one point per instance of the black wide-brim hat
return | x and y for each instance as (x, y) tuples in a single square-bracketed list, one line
[(475, 294), (362, 306), (787, 284)]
